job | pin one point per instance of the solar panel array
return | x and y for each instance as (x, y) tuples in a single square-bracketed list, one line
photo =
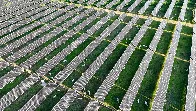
[(97, 55)]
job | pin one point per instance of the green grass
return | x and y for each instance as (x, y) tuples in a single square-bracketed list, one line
[(104, 70), (80, 21), (24, 34), (115, 32), (69, 57), (61, 47), (175, 13), (148, 84), (147, 38), (16, 105), (25, 24), (189, 16), (176, 91), (139, 103), (42, 61), (103, 108), (5, 70), (170, 27), (77, 51), (176, 10), (184, 47), (151, 7), (98, 32), (155, 24), (13, 84), (130, 35), (15, 29), (141, 21), (139, 6), (27, 43), (189, 12), (187, 30), (115, 96), (164, 8), (90, 58), (114, 6), (92, 86), (72, 78), (124, 9), (22, 59), (90, 25), (43, 45), (126, 75), (52, 100), (79, 104), (127, 19), (164, 43)]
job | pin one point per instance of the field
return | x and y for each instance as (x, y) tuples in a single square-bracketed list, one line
[(105, 55)]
